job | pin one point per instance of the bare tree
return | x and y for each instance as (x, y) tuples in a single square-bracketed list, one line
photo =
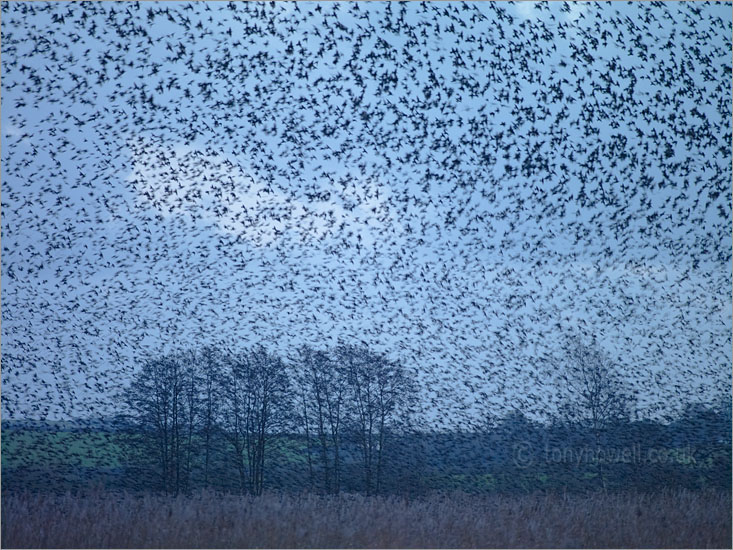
[(165, 413), (191, 403), (255, 391), (594, 392), (321, 386), (211, 370), (377, 388)]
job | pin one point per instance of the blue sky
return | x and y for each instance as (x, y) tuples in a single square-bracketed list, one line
[(459, 185)]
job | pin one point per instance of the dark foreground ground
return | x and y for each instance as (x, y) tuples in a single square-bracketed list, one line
[(674, 519)]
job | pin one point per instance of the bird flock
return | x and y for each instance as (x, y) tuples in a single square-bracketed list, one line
[(457, 184)]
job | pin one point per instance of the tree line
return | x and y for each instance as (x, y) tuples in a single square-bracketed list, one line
[(191, 408), (333, 420)]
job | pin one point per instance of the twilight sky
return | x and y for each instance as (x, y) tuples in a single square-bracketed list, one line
[(460, 185)]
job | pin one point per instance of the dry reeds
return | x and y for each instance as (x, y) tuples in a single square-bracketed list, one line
[(105, 520)]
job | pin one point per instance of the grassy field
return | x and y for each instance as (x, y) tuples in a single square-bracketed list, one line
[(40, 448), (625, 520), (95, 449)]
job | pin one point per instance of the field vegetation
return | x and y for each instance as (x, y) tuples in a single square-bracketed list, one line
[(667, 519)]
